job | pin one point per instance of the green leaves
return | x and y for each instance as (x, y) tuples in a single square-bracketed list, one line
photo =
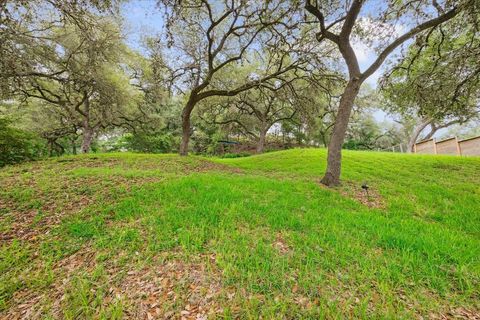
[(17, 145), (439, 77)]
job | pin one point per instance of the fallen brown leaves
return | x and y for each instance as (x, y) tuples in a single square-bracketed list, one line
[(67, 194), (353, 190), (456, 313), (172, 289), (281, 245), (66, 198), (167, 288), (28, 304)]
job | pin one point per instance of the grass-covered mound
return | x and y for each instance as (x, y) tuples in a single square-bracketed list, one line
[(149, 236)]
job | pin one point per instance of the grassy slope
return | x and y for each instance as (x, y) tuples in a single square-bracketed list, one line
[(130, 235)]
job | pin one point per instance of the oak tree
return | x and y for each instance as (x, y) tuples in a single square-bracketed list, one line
[(341, 22), (206, 37)]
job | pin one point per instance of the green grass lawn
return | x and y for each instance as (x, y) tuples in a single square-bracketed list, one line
[(112, 236)]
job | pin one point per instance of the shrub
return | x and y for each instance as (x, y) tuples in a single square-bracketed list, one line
[(149, 143), (17, 145)]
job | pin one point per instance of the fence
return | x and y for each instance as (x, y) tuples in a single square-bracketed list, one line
[(453, 146), (395, 148)]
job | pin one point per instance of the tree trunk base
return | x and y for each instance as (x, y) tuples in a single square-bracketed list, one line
[(183, 151), (87, 141), (329, 180), (186, 128)]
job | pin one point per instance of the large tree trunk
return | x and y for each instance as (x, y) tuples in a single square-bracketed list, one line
[(87, 138), (187, 111), (416, 132), (261, 141), (332, 174), (87, 129)]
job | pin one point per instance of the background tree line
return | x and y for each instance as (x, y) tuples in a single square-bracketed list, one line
[(234, 77)]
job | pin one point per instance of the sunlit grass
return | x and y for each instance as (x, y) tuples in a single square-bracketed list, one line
[(279, 243)]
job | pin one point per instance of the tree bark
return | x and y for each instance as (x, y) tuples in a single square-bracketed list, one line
[(87, 128), (342, 40), (87, 138), (261, 141), (186, 129), (332, 174), (416, 132)]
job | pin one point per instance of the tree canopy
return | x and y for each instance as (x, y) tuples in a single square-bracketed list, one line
[(255, 75)]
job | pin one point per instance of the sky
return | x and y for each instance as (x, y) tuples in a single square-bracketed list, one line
[(141, 17), (144, 17)]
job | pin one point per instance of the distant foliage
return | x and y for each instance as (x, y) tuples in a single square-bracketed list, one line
[(18, 145), (149, 142)]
